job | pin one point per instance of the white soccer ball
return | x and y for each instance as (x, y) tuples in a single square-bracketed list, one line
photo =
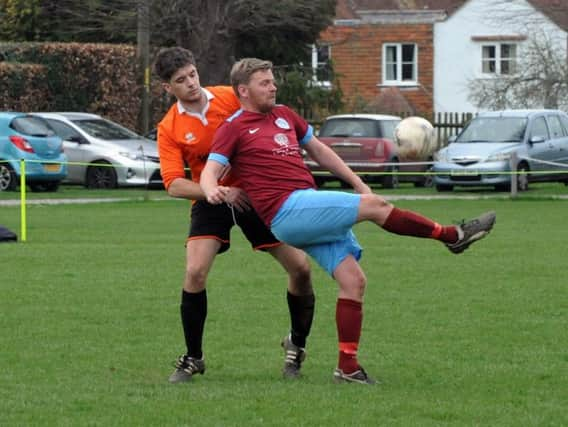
[(414, 137)]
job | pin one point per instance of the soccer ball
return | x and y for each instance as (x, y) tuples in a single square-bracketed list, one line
[(414, 137)]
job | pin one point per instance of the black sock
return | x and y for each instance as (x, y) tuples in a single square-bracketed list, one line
[(301, 315), (193, 313)]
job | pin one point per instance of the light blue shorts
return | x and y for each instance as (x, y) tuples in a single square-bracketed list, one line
[(320, 222)]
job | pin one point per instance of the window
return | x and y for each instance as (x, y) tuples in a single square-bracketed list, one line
[(321, 55), (564, 121), (539, 128), (500, 58), (556, 130), (64, 131), (399, 63)]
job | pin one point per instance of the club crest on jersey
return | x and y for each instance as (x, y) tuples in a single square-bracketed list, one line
[(282, 123), (281, 139), (189, 137)]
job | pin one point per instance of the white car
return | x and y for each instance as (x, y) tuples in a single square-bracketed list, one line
[(104, 154)]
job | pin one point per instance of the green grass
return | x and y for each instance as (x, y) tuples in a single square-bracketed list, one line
[(90, 325)]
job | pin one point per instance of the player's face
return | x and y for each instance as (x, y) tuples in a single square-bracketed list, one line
[(261, 91), (185, 86)]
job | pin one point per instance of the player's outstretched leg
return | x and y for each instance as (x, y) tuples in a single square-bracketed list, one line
[(471, 231)]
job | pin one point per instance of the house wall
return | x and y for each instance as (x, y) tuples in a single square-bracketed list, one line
[(457, 57), (356, 52)]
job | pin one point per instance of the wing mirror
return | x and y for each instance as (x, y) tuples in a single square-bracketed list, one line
[(536, 139)]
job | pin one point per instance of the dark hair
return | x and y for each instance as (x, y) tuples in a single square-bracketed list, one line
[(171, 59), (242, 71)]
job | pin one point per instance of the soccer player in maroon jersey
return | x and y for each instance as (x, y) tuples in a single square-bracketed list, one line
[(263, 142)]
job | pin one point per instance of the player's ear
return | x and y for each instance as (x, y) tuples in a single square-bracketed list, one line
[(243, 91), (167, 87)]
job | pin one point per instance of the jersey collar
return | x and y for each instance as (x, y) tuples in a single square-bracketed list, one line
[(201, 116)]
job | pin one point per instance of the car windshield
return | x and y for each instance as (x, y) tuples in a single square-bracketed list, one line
[(494, 129), (32, 126), (104, 129), (347, 127)]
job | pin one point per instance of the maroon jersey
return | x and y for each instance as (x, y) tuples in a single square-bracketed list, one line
[(265, 154)]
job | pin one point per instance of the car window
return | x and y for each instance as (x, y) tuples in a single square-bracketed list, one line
[(63, 130), (358, 128), (388, 127), (32, 126), (556, 130), (564, 120), (539, 128), (104, 129), (494, 129)]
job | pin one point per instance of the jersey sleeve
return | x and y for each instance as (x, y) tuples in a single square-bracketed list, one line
[(171, 157), (304, 131), (224, 143)]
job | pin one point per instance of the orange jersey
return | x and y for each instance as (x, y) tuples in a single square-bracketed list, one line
[(184, 138)]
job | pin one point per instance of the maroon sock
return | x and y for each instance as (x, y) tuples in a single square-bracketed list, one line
[(349, 318), (408, 223)]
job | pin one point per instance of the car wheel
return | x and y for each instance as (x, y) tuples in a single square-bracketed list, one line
[(101, 176), (391, 180), (444, 187), (425, 181), (45, 187), (522, 177), (8, 178)]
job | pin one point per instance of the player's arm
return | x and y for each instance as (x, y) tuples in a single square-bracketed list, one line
[(209, 181), (184, 188), (328, 159), (172, 169)]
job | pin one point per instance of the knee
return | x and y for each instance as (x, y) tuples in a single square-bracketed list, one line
[(301, 277), (375, 208), (195, 278), (359, 284), (354, 287)]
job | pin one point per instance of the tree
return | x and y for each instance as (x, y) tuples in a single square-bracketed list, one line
[(541, 80), (220, 31), (109, 21), (540, 74)]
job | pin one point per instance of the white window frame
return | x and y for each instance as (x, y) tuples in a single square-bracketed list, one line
[(317, 63), (498, 60), (398, 63)]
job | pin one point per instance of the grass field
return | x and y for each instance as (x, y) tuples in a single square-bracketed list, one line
[(89, 320)]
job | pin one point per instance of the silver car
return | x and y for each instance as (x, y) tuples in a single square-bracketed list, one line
[(104, 154), (481, 154)]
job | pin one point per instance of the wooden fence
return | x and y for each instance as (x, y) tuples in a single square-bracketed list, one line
[(449, 124)]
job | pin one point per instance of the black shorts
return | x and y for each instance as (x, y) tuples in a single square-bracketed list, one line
[(215, 222)]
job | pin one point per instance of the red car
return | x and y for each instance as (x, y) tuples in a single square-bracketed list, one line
[(366, 143)]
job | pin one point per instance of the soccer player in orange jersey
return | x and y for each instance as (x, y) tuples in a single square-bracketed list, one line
[(184, 138)]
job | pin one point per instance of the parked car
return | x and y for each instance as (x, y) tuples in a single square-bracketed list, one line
[(365, 142), (481, 154), (27, 137), (104, 154)]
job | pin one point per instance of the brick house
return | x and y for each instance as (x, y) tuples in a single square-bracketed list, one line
[(388, 58)]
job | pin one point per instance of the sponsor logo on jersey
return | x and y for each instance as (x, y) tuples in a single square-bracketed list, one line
[(282, 123), (281, 139)]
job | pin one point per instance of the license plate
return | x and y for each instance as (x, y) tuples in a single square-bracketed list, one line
[(464, 172), (347, 150), (51, 167)]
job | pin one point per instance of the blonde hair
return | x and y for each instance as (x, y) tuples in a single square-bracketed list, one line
[(242, 71)]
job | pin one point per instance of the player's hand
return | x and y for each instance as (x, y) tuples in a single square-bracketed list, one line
[(238, 198), (217, 195)]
